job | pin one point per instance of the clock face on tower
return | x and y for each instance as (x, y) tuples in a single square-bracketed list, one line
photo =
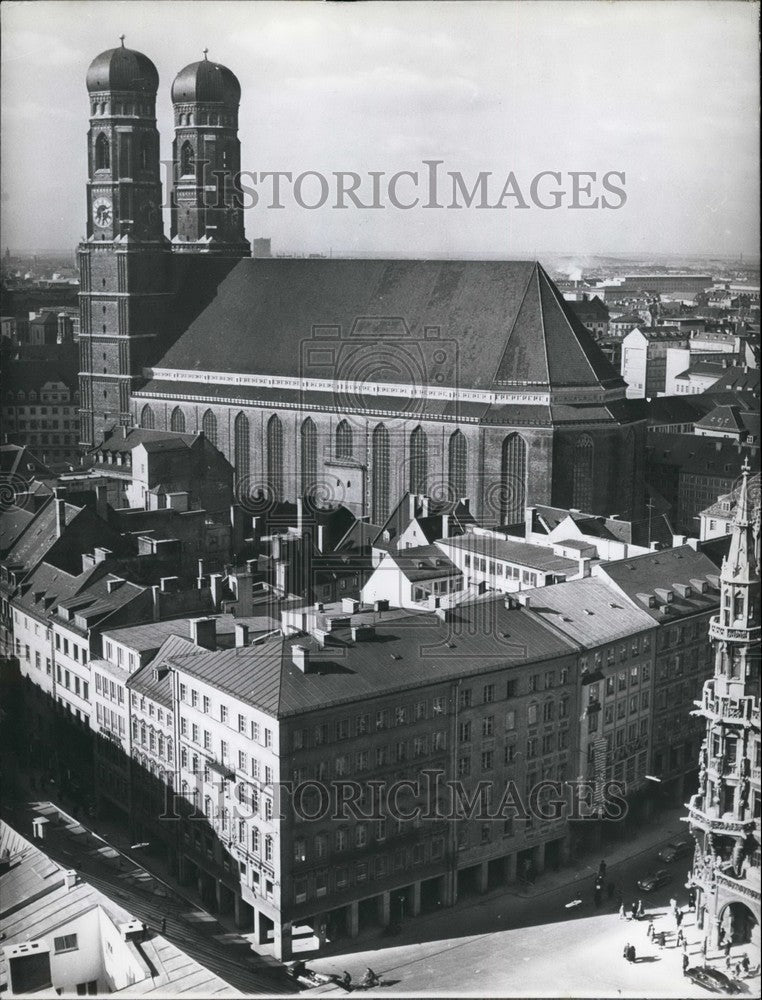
[(102, 212)]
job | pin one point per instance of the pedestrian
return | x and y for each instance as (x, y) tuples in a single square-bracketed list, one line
[(634, 911), (163, 925), (626, 951), (622, 914), (641, 910), (685, 963), (650, 931), (661, 939), (680, 938), (632, 953), (727, 948), (703, 949)]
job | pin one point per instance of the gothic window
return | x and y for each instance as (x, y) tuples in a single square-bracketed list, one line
[(187, 159), (177, 420), (458, 455), (582, 474), (343, 440), (102, 153), (275, 456), (147, 418), (308, 455), (418, 461), (209, 427), (513, 479), (241, 447), (380, 473)]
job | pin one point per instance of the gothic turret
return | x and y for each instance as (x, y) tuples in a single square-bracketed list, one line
[(724, 815)]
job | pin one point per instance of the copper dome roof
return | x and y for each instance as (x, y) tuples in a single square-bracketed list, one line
[(124, 70), (206, 82)]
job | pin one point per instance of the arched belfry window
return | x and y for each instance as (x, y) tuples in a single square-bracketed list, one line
[(513, 474), (275, 456), (343, 440), (241, 448), (457, 459), (177, 420), (308, 455), (419, 448), (146, 418), (582, 477), (102, 153), (380, 474), (187, 159), (209, 427)]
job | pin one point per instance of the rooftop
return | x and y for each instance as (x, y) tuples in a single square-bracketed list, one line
[(407, 650), (520, 553)]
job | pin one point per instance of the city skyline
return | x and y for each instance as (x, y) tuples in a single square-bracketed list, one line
[(384, 88)]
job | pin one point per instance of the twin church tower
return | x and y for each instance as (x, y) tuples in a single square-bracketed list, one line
[(132, 278)]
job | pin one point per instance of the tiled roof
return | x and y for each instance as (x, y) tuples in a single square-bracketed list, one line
[(588, 611), (499, 322), (657, 573), (151, 635), (116, 441), (722, 418), (697, 454), (424, 562), (407, 651), (521, 553)]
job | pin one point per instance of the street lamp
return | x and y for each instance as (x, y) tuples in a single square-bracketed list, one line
[(651, 777)]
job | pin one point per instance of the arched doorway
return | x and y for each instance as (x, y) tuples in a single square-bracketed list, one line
[(739, 924)]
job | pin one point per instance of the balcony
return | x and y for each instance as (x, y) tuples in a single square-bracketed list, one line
[(741, 710), (733, 633), (709, 818)]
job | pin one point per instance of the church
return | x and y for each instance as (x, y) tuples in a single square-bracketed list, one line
[(346, 380)]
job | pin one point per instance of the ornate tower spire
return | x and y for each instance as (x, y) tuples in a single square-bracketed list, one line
[(724, 815)]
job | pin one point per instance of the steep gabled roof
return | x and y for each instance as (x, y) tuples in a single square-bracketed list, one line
[(474, 324)]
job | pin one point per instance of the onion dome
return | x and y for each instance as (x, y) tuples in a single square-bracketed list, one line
[(122, 70), (206, 82)]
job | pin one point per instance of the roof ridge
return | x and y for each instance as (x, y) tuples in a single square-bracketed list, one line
[(515, 322), (560, 302)]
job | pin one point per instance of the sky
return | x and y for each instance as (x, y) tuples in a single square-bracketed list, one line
[(665, 92)]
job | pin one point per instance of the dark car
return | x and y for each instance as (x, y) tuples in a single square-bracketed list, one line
[(677, 849), (712, 980), (654, 880)]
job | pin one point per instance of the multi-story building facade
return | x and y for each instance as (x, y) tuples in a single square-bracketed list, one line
[(644, 359), (724, 814), (679, 590), (41, 410), (365, 700)]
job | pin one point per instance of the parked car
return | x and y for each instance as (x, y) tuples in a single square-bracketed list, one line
[(654, 880), (713, 980), (677, 849)]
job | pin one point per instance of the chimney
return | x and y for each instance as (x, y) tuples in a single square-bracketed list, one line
[(361, 633), (300, 657), (528, 518), (678, 540), (113, 584), (169, 584), (155, 602), (241, 634), (424, 506), (445, 525), (70, 878), (203, 632), (584, 566), (215, 583), (412, 500), (101, 554)]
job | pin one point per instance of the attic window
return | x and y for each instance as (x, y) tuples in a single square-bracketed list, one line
[(588, 611), (396, 656)]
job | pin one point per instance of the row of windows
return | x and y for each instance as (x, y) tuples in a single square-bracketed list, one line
[(109, 719), (108, 688), (618, 682), (146, 705), (250, 728), (73, 683), (153, 741), (71, 649), (494, 568), (622, 652)]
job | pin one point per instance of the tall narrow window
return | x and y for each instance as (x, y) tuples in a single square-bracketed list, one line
[(102, 153), (145, 152), (418, 461), (380, 474), (457, 458), (308, 456), (513, 479), (187, 159), (177, 420), (275, 456), (146, 418), (582, 479), (241, 448), (209, 427), (343, 440)]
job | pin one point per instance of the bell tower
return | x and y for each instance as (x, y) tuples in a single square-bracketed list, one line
[(207, 201), (125, 259)]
